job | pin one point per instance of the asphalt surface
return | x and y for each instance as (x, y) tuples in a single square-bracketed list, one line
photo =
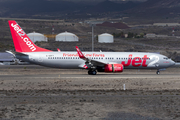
[(85, 76), (38, 93), (77, 73)]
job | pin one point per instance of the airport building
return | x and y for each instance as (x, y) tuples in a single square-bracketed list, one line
[(105, 38), (66, 37), (37, 37), (152, 35), (166, 24)]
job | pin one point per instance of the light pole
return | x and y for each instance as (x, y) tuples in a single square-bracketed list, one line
[(92, 37)]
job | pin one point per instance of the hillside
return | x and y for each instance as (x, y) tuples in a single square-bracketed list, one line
[(157, 8), (108, 6), (58, 9)]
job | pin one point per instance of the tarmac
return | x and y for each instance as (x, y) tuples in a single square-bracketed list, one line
[(38, 93)]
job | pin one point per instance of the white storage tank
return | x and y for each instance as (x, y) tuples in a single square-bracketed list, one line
[(66, 36), (37, 37), (105, 38)]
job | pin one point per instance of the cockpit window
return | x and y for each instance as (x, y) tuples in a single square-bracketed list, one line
[(165, 58)]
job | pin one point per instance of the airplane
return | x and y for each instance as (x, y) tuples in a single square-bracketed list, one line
[(27, 51)]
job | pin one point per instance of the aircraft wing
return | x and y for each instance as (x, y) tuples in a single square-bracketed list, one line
[(98, 63), (88, 60)]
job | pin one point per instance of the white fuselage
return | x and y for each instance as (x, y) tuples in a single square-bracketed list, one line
[(71, 60)]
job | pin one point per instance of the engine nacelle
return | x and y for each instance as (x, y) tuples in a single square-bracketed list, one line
[(111, 68)]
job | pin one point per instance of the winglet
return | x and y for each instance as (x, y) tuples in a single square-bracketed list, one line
[(80, 53), (58, 50)]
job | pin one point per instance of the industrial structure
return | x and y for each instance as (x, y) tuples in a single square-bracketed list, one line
[(37, 37), (166, 24), (66, 37), (105, 38), (152, 35)]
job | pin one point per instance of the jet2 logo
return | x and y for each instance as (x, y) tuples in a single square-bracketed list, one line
[(136, 62), (18, 30), (21, 33)]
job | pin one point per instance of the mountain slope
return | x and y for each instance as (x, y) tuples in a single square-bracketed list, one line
[(27, 8), (108, 6), (157, 8)]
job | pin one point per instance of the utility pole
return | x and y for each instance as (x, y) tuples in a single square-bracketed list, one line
[(92, 37)]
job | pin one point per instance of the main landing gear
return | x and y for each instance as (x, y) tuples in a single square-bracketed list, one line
[(92, 72), (158, 72)]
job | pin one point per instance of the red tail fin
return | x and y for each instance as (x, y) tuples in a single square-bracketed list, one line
[(22, 42)]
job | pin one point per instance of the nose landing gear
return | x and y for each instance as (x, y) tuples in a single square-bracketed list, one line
[(158, 72)]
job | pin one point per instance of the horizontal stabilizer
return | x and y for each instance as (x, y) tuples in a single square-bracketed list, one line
[(16, 53)]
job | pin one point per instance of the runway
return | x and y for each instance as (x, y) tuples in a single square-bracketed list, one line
[(84, 76), (35, 92), (35, 71), (70, 79)]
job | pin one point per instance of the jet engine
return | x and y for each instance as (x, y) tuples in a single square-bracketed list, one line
[(111, 68)]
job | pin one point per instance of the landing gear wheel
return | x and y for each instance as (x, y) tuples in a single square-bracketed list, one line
[(158, 72), (89, 72), (92, 72)]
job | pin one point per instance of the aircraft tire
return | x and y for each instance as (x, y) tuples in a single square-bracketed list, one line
[(89, 72), (158, 72), (92, 72)]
